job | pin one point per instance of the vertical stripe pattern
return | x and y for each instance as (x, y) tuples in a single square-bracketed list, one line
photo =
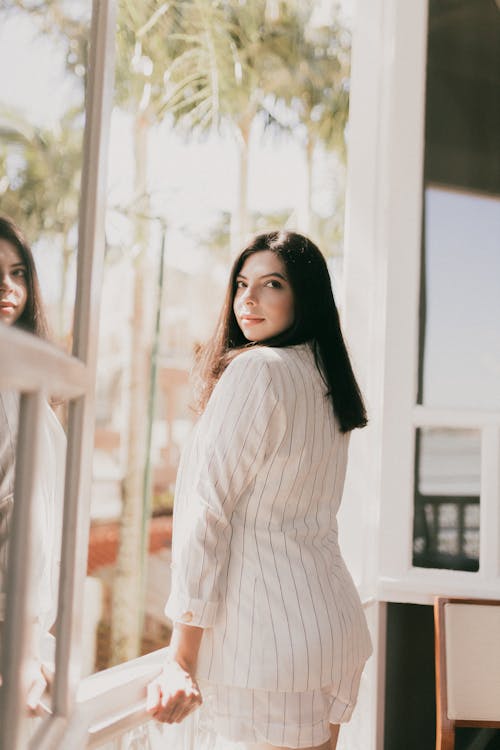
[(47, 505), (256, 559)]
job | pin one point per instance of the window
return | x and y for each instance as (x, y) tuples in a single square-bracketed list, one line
[(461, 340), (447, 488), (459, 363)]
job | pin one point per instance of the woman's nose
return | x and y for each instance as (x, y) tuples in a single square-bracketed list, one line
[(249, 296), (6, 281)]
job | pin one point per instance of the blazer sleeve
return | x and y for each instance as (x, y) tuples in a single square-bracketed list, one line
[(242, 426)]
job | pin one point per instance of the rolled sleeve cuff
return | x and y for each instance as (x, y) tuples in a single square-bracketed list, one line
[(190, 611)]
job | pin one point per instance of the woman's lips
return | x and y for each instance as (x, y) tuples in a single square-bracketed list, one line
[(250, 321)]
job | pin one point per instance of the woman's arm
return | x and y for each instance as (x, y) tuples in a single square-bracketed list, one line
[(185, 645), (243, 422), (242, 425)]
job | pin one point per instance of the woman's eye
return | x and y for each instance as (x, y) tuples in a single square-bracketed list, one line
[(274, 284), (240, 285), (19, 272)]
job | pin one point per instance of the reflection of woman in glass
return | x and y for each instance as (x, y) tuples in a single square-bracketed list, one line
[(266, 616), (21, 306)]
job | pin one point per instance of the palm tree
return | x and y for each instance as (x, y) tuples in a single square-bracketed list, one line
[(44, 157), (229, 57), (314, 84), (237, 61)]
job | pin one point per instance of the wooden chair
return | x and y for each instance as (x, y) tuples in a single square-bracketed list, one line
[(467, 640)]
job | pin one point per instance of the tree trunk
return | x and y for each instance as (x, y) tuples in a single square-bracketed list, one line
[(307, 219), (67, 252), (126, 614), (240, 223)]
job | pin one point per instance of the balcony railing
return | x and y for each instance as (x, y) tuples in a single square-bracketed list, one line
[(110, 705)]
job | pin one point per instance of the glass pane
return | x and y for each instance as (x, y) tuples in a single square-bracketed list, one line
[(446, 522), (462, 126), (460, 300), (461, 337), (42, 103)]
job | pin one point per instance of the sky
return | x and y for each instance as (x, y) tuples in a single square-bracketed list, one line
[(33, 78)]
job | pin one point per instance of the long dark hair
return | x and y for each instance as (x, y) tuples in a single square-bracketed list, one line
[(33, 316), (316, 320)]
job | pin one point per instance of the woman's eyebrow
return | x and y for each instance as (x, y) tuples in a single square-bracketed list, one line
[(18, 264), (265, 276)]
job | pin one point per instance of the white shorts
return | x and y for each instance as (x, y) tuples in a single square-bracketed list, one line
[(283, 719)]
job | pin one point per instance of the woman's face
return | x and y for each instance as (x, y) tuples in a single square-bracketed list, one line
[(13, 286), (263, 303)]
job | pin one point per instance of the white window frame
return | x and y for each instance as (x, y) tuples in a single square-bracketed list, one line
[(382, 297), (37, 370), (382, 265), (399, 580)]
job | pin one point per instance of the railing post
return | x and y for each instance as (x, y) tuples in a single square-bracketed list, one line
[(19, 615)]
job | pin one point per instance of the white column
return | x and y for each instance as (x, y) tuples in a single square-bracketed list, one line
[(381, 287)]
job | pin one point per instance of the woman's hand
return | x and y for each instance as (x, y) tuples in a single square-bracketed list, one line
[(38, 683), (173, 695)]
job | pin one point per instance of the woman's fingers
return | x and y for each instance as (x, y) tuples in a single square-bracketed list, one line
[(175, 708), (35, 692), (184, 707)]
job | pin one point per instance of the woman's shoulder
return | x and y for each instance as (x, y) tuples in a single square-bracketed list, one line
[(249, 366), (270, 365), (273, 356)]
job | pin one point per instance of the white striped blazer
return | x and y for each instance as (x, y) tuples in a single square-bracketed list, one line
[(255, 556), (47, 511)]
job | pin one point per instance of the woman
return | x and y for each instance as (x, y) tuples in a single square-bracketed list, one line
[(267, 621), (21, 307)]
